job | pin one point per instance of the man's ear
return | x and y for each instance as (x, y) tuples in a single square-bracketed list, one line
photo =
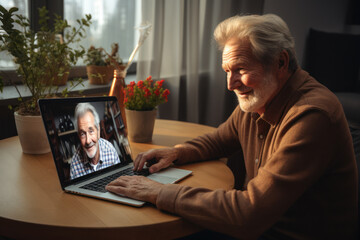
[(283, 60), (282, 65)]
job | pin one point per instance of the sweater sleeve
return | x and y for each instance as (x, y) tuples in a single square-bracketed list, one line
[(298, 164), (221, 143)]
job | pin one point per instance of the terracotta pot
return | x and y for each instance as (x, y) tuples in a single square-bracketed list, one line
[(100, 75), (140, 125), (32, 134)]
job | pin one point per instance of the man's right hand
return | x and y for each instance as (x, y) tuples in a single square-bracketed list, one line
[(156, 159)]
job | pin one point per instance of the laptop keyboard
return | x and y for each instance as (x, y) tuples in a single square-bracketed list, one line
[(99, 185)]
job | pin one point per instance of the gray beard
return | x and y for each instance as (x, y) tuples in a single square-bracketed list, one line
[(259, 97)]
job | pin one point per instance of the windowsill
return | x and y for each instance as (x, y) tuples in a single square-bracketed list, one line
[(10, 96)]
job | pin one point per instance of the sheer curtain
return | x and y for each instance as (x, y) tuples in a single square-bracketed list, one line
[(181, 50)]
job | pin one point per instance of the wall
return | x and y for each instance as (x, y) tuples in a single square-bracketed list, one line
[(301, 15)]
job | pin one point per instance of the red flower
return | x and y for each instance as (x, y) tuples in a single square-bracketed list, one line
[(131, 92), (140, 84), (147, 93), (149, 80), (160, 83), (165, 94)]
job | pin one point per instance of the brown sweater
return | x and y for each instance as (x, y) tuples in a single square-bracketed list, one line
[(301, 176)]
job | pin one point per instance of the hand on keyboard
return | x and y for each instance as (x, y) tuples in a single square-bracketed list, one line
[(99, 185), (142, 172)]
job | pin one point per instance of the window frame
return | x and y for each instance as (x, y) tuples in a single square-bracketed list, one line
[(10, 77)]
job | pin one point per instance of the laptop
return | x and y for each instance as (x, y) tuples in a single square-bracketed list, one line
[(71, 151)]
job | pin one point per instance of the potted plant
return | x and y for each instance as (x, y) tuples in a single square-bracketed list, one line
[(101, 65), (42, 59), (141, 101)]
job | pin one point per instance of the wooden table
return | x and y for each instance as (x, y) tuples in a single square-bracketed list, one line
[(33, 206)]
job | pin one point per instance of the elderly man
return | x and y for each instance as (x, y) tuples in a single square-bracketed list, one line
[(95, 153), (301, 177)]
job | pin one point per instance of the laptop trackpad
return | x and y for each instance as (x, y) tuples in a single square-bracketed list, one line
[(161, 179), (169, 175)]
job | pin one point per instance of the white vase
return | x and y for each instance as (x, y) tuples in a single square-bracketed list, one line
[(140, 125), (32, 134)]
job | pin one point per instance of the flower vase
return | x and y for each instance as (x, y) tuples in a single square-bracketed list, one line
[(117, 89), (140, 125)]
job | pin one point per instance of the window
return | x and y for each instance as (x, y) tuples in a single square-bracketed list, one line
[(113, 21), (6, 62)]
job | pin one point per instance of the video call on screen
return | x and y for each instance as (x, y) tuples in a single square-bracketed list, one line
[(65, 140)]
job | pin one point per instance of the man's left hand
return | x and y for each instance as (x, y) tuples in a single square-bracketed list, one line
[(137, 187)]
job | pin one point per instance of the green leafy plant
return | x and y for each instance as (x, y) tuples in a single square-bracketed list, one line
[(101, 65), (99, 57), (145, 95), (41, 57)]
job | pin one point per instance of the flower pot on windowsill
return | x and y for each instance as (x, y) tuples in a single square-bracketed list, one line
[(32, 134), (100, 75), (140, 125)]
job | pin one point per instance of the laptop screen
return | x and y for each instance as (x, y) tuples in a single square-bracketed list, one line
[(86, 135)]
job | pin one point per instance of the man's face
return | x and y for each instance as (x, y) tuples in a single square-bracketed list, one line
[(246, 76), (89, 135)]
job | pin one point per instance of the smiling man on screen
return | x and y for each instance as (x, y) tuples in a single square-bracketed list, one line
[(95, 153)]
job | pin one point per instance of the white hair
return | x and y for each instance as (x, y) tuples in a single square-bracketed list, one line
[(83, 108), (268, 35)]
